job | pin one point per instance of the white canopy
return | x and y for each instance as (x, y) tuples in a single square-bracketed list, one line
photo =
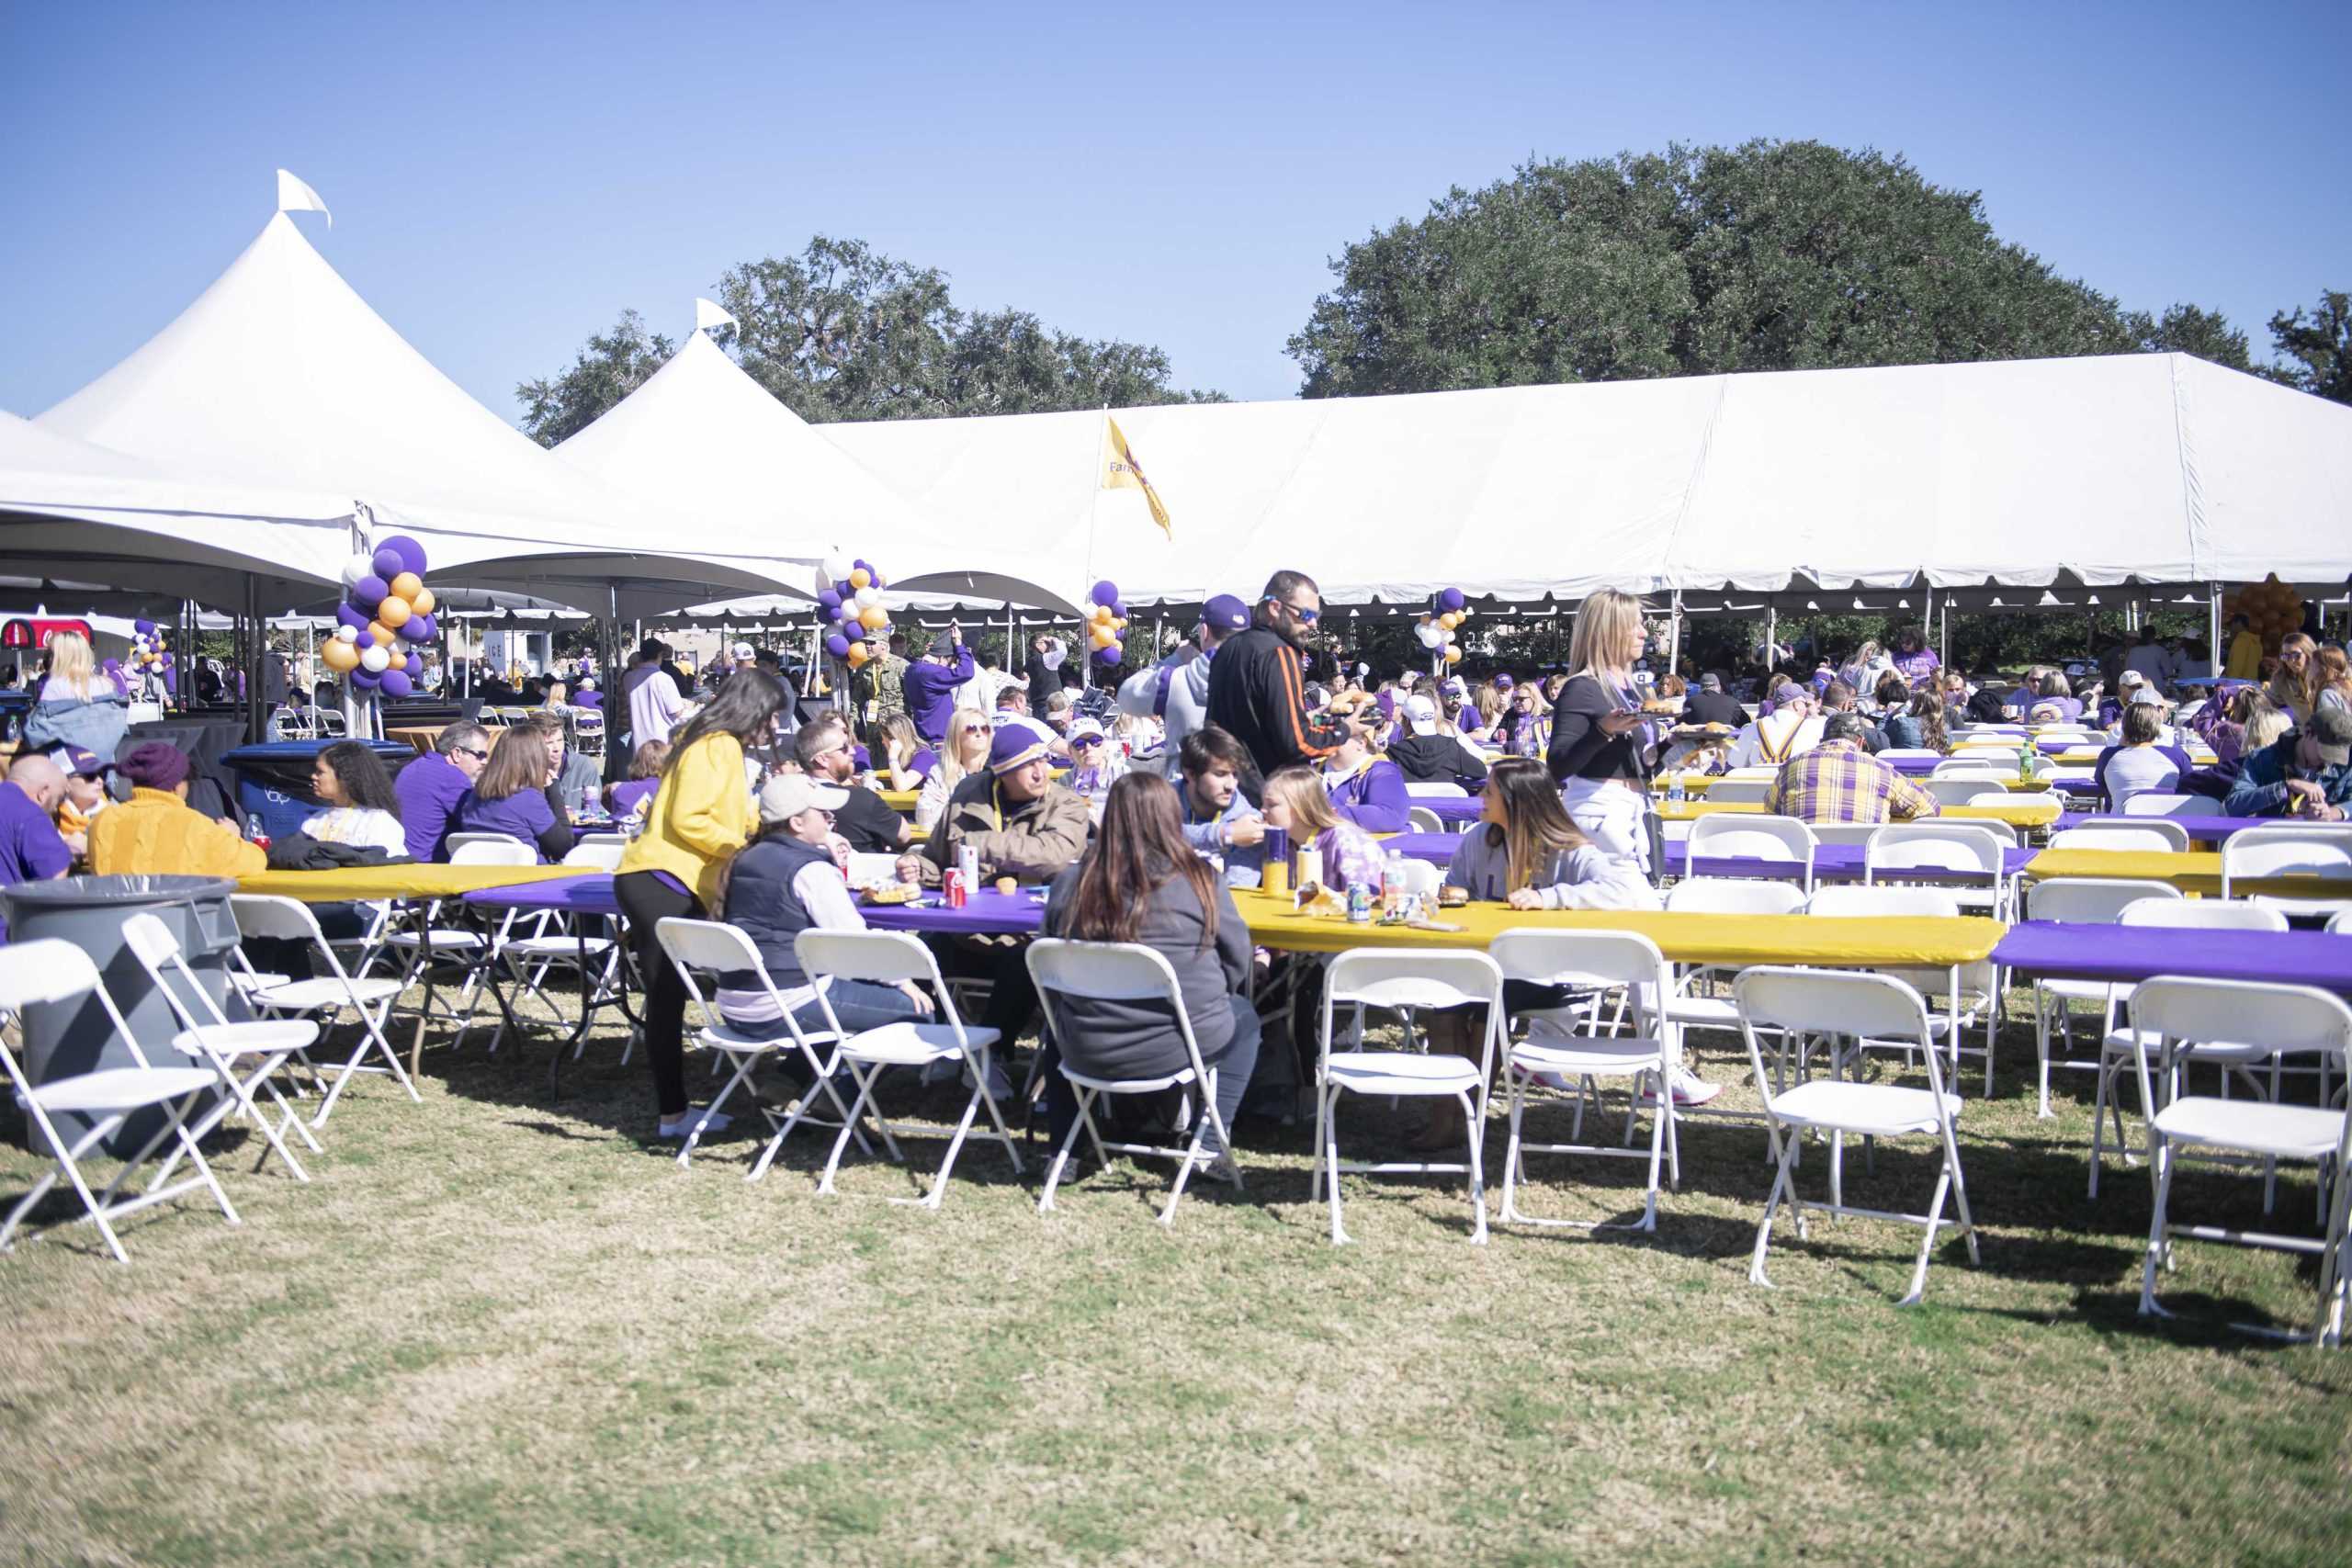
[(280, 374), (705, 438), (2154, 468)]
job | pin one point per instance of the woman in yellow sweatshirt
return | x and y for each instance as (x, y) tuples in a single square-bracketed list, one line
[(700, 815)]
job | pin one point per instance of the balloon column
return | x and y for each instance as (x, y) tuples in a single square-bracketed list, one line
[(150, 660), (2271, 609), (386, 608), (1106, 626), (849, 596), (1446, 612)]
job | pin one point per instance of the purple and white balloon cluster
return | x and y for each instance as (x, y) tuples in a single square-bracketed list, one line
[(849, 593), (385, 604)]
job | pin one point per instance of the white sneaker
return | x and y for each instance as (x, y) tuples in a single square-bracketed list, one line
[(705, 1121), (1690, 1090)]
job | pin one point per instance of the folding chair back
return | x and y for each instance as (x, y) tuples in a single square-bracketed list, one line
[(712, 947), (2287, 849), (1735, 896), (1960, 790), (1938, 846), (270, 915), (1743, 836), (2203, 913), (151, 942), (2340, 923), (1106, 972), (2152, 833), (1830, 1001), (1964, 768), (2150, 803), (885, 958), (600, 853), (1441, 789), (1909, 754), (491, 849), (1607, 958), (1421, 820), (1843, 833), (1740, 792), (2091, 900), (2273, 1020), (1849, 902), (35, 973), (1392, 978)]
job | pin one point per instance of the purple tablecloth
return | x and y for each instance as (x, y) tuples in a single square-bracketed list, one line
[(589, 893), (1435, 847), (1451, 808), (988, 913), (2200, 829), (2048, 950), (1831, 863)]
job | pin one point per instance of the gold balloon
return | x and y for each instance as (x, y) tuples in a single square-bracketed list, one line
[(422, 600), (380, 633), (874, 617), (340, 656), (405, 585), (393, 612), (860, 578)]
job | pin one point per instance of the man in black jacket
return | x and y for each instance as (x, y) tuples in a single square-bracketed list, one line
[(1712, 705), (1257, 683)]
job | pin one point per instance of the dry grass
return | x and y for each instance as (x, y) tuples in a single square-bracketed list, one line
[(500, 1330)]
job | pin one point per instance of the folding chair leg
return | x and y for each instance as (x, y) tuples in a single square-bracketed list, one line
[(864, 1082), (1329, 1121), (1184, 1168), (962, 1128), (1476, 1124), (2159, 1231), (1771, 1207), (1053, 1171), (1927, 1242), (66, 1165), (1511, 1156)]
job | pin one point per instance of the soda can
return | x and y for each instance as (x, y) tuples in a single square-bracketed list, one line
[(952, 884), (1360, 903), (968, 861)]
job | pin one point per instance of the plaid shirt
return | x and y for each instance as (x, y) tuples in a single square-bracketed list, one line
[(1839, 781)]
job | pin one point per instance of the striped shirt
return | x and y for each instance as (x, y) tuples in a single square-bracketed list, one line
[(1839, 781)]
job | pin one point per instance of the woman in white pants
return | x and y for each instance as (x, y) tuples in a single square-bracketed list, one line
[(1601, 746)]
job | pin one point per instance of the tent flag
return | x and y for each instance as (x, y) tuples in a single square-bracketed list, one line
[(293, 196), (1120, 471), (709, 314)]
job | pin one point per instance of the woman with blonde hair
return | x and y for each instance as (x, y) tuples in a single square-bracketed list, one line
[(2295, 687), (1297, 804), (2266, 724), (2332, 678), (76, 706), (963, 752), (1601, 746)]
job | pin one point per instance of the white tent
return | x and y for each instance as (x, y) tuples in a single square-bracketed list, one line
[(280, 374), (2144, 469), (705, 438)]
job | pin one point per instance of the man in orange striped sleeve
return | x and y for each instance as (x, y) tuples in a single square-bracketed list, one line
[(1257, 683)]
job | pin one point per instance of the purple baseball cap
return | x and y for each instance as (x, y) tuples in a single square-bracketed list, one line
[(1226, 614)]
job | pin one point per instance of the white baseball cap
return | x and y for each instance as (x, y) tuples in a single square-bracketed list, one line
[(1421, 714), (788, 794)]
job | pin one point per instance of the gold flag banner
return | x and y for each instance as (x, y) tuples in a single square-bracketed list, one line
[(1120, 471)]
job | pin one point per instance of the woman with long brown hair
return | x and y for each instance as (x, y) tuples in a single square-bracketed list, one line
[(1140, 881), (510, 796), (2295, 687)]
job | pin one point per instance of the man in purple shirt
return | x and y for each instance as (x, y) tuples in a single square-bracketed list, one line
[(430, 787), (30, 850), (930, 684)]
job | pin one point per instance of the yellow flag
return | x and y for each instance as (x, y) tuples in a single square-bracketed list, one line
[(1120, 471)]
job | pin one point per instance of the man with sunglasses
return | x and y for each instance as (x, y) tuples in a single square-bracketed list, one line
[(1257, 683), (863, 817), (429, 788)]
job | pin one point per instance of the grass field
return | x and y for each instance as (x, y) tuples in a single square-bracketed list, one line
[(498, 1329)]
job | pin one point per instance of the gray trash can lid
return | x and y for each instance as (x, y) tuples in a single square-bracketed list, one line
[(98, 892)]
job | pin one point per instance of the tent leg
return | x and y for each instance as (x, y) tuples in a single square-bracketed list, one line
[(2213, 629)]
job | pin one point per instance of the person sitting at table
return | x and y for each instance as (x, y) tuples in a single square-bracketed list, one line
[(2294, 685), (1095, 764), (1838, 782), (1919, 726), (1712, 705), (964, 752), (428, 789), (2053, 702), (1531, 856), (906, 760), (627, 798), (1140, 881), (865, 819), (1914, 660), (1790, 729), (1218, 817), (157, 831), (786, 881), (2143, 762), (1295, 804), (2306, 775), (85, 795), (1366, 790), (2334, 678), (1838, 697), (31, 850), (1431, 751), (362, 808), (574, 777), (510, 796)]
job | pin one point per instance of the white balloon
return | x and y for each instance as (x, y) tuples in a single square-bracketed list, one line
[(868, 597), (837, 567), (346, 634), (356, 568), (374, 659), (1432, 636)]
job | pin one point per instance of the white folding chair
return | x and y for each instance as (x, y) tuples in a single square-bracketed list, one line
[(2149, 833), (1744, 836), (886, 958), (427, 941), (1966, 768), (2149, 804), (557, 941), (489, 849), (597, 851), (1729, 790), (1421, 820), (697, 948), (1686, 1007), (1957, 790), (1910, 754), (2300, 1020), (1843, 833), (1441, 789), (2289, 848), (1963, 848), (1646, 1057), (262, 1045), (2079, 901), (1832, 1004), (2129, 1044), (1405, 982), (1972, 992), (325, 997), (1126, 972), (52, 971), (1766, 772)]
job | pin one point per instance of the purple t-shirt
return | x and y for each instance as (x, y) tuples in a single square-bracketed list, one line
[(524, 815), (428, 790), (30, 850)]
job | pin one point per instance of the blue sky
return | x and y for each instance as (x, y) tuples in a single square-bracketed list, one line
[(506, 177)]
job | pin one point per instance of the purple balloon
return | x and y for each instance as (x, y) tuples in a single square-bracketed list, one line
[(867, 565), (1119, 608), (831, 601), (1108, 657), (369, 591), (432, 624), (415, 630), (112, 666), (143, 628), (845, 588), (390, 563), (411, 554), (1106, 593), (396, 683), (838, 646), (367, 680), (1450, 599), (352, 615)]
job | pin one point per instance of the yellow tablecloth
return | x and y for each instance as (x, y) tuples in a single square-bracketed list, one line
[(2193, 871), (2085, 756), (395, 881), (2036, 811), (2002, 781), (898, 799), (421, 736), (1923, 943)]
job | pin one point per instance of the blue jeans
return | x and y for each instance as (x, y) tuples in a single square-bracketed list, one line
[(1233, 1064), (859, 1004)]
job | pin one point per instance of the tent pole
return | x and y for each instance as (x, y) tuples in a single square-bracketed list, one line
[(2213, 629), (1674, 633), (1772, 635)]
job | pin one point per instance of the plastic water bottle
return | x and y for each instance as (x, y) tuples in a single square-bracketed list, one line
[(1677, 792), (1392, 887)]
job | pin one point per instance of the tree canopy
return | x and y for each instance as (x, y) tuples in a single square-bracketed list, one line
[(1772, 256), (842, 331), (2317, 347)]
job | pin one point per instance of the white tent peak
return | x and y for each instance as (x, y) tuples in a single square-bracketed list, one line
[(293, 196), (710, 313)]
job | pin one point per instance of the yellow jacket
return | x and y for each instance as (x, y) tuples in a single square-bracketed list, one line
[(2245, 658), (157, 831), (702, 814)]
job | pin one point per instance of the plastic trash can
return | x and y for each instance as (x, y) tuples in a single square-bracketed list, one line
[(65, 1039), (274, 778)]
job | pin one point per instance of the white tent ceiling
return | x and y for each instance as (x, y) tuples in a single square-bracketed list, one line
[(2156, 468), (280, 374)]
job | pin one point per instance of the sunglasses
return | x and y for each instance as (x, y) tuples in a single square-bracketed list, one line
[(478, 755), (1302, 612), (1087, 742)]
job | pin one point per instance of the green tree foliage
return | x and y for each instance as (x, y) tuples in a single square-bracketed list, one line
[(611, 367), (842, 331), (1767, 256), (2317, 347)]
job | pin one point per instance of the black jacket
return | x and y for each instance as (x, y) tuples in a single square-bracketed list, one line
[(1437, 758), (1714, 707), (1258, 694), (1580, 749)]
